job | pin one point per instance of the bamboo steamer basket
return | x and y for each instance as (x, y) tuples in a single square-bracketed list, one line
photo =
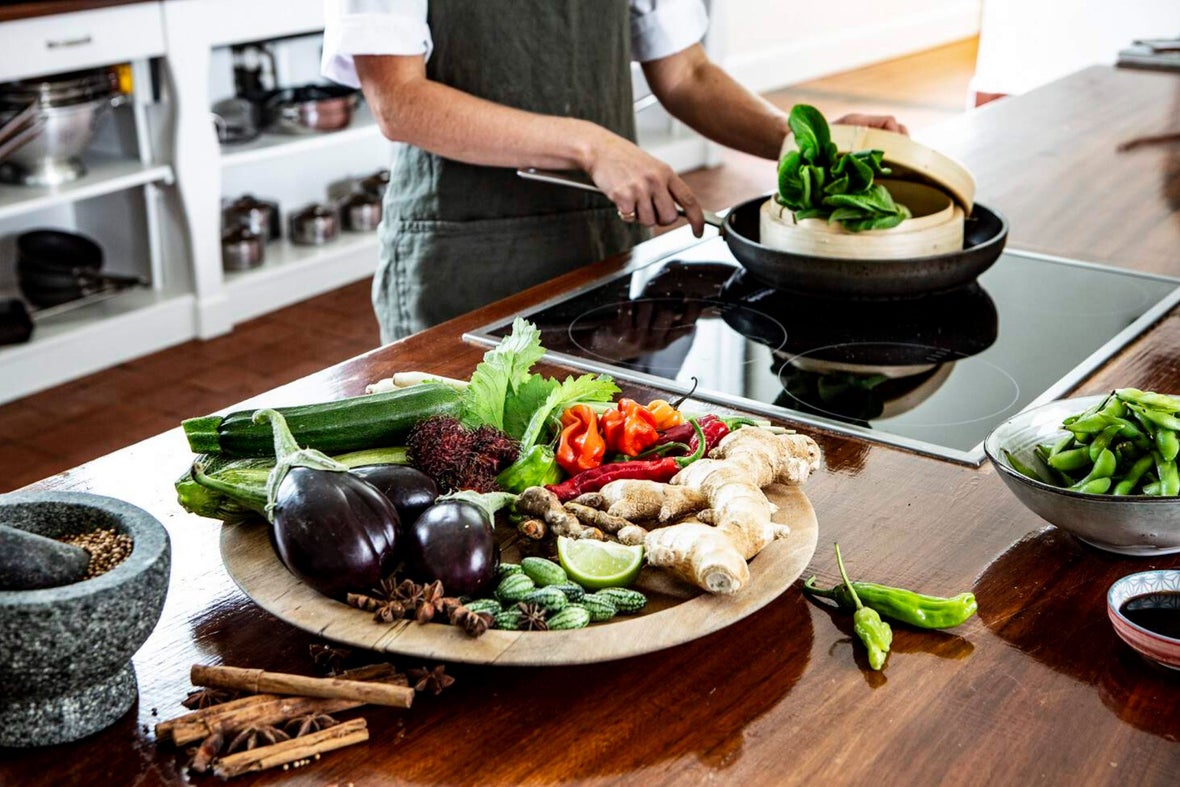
[(918, 175), (936, 227)]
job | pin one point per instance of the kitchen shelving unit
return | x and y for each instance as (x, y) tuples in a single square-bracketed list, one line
[(157, 178)]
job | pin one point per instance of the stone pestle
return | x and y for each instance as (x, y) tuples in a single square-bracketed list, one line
[(29, 561)]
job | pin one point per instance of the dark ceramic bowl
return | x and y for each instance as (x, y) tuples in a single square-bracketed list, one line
[(66, 669)]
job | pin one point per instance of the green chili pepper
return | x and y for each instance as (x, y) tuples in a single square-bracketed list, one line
[(904, 606), (872, 631), (1129, 481), (1155, 401), (536, 467)]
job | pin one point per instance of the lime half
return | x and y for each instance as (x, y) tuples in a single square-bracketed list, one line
[(599, 564)]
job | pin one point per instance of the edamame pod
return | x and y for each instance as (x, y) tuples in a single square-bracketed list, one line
[(1131, 479)]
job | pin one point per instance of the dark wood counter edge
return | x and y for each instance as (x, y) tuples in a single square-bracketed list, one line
[(11, 13)]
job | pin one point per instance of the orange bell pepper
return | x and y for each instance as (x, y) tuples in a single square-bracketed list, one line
[(629, 429), (581, 446)]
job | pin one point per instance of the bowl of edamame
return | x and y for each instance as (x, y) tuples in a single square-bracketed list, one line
[(1101, 467)]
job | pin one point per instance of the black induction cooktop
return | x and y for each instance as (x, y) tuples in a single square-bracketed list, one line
[(934, 373)]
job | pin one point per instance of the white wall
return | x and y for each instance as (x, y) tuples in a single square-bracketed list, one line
[(1026, 43), (768, 44)]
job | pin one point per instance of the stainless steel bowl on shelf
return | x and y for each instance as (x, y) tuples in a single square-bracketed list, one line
[(68, 109), (362, 212), (242, 248), (1139, 525)]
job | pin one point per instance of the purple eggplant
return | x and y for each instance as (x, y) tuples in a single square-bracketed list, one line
[(409, 489), (453, 541), (331, 529)]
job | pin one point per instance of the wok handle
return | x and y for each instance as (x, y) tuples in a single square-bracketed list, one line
[(580, 181)]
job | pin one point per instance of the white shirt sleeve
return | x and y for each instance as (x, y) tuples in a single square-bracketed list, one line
[(371, 27), (398, 27), (664, 27)]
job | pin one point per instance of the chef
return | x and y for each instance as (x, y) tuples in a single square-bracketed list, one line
[(479, 88)]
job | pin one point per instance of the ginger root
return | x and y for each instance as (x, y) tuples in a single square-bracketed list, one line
[(540, 502), (639, 500), (731, 480)]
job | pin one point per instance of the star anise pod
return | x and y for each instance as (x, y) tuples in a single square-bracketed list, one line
[(327, 658), (312, 722), (432, 680), (384, 610), (207, 698), (431, 602), (473, 623), (255, 736), (532, 617), (408, 592)]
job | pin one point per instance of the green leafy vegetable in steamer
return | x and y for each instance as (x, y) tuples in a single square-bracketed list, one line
[(818, 182)]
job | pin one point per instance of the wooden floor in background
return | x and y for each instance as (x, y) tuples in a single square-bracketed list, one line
[(56, 429)]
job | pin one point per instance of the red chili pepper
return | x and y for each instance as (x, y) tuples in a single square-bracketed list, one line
[(629, 429), (644, 469), (581, 446), (714, 429)]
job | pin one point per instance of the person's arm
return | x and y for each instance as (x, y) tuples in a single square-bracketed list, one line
[(698, 92), (412, 108)]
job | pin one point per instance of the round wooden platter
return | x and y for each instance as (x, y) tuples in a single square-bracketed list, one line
[(675, 613)]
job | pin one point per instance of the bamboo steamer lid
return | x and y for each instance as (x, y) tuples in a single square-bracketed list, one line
[(935, 228), (908, 159)]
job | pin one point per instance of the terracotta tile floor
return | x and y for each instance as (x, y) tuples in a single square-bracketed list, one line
[(56, 429)]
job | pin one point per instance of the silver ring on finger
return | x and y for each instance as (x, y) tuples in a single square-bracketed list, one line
[(627, 215)]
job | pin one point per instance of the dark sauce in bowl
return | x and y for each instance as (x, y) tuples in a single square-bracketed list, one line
[(1158, 613)]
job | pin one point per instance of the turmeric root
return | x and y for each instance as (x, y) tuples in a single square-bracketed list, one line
[(540, 502), (745, 460), (639, 500)]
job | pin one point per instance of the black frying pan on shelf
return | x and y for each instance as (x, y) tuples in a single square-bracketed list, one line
[(985, 232)]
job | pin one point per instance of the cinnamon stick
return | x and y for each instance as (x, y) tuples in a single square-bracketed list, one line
[(258, 681), (266, 709), (257, 711), (305, 747)]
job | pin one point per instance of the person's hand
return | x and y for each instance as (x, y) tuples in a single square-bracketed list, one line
[(887, 122), (643, 188)]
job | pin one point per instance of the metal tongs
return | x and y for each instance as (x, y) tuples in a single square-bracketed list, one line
[(21, 128)]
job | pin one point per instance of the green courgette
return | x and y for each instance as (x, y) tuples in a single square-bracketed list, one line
[(234, 489), (352, 424)]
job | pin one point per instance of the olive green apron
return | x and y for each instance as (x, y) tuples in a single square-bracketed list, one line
[(457, 236)]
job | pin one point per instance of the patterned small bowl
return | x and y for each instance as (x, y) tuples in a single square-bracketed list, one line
[(1161, 649)]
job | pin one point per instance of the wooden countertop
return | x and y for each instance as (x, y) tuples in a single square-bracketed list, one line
[(14, 11), (1036, 688)]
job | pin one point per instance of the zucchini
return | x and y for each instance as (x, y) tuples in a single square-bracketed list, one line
[(234, 489), (351, 424)]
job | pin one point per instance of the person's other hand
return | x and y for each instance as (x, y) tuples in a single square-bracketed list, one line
[(887, 122), (643, 188)]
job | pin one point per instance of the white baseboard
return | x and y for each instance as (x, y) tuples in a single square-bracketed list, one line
[(778, 67)]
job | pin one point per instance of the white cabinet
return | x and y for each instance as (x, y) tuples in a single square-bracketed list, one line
[(123, 202)]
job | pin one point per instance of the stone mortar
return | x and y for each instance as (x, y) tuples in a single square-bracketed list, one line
[(65, 652)]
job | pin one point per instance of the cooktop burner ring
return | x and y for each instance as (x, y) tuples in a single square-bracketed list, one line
[(896, 376), (638, 330)]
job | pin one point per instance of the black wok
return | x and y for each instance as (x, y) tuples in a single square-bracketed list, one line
[(985, 232)]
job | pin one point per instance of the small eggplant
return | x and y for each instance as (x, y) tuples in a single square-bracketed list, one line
[(409, 489), (453, 541), (331, 529)]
